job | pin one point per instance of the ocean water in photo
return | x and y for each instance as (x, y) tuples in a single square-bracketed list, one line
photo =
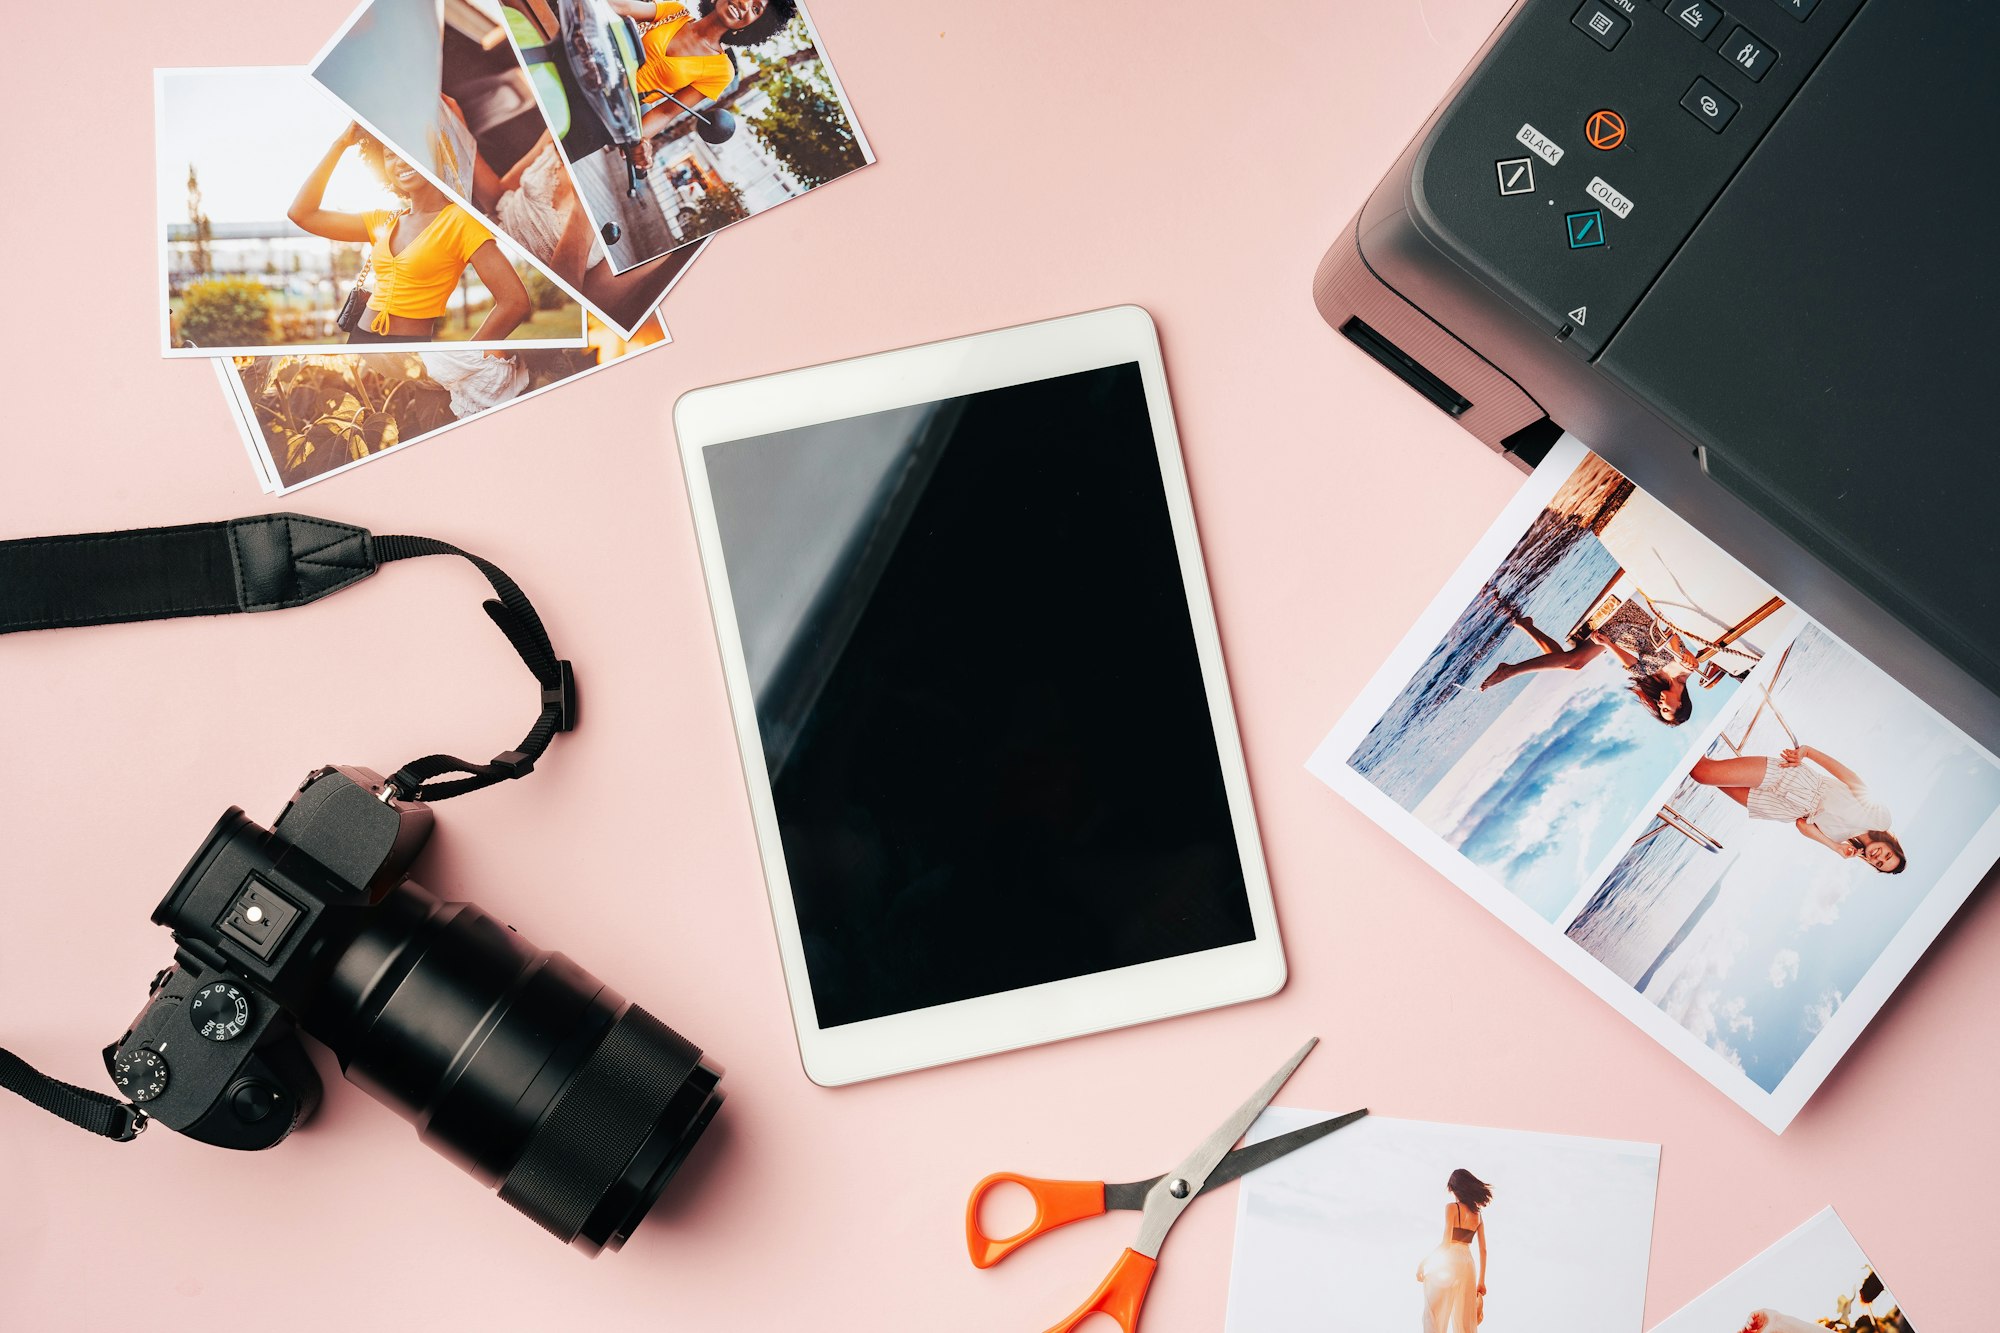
[(1537, 779), (1658, 894), (1552, 574)]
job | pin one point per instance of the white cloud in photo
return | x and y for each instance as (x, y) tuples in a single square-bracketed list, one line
[(1784, 967), (1821, 1011), (1694, 991), (1820, 904)]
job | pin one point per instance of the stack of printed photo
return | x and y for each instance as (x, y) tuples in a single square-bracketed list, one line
[(460, 204)]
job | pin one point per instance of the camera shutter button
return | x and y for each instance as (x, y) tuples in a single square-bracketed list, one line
[(252, 1102)]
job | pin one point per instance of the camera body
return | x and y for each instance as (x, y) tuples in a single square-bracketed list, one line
[(515, 1063), (258, 919)]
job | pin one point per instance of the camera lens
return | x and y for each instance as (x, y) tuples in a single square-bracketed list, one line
[(526, 1070)]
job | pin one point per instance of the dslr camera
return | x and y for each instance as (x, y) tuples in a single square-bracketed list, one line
[(514, 1062)]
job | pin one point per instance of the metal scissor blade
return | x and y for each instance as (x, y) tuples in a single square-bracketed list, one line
[(1241, 1162), (1169, 1198), (1245, 1160)]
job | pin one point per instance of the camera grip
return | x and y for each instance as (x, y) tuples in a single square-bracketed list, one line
[(245, 1091)]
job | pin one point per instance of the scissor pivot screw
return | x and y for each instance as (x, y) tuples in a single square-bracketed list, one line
[(1178, 1188)]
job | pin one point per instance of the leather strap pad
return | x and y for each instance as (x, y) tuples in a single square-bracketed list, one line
[(264, 563)]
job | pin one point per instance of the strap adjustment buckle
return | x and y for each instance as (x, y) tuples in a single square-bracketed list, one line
[(512, 764), (562, 696)]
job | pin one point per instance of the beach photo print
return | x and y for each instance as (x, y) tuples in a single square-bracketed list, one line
[(1676, 784), (440, 86), (1390, 1226), (284, 226), (1814, 1280)]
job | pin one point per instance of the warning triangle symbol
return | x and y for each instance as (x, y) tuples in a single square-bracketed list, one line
[(1578, 314)]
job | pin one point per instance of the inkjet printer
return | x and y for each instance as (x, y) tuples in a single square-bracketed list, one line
[(1746, 251)]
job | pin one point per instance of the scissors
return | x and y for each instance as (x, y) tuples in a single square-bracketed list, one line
[(1159, 1201)]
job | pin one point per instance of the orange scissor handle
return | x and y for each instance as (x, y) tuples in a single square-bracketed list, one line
[(1121, 1295), (1057, 1203)]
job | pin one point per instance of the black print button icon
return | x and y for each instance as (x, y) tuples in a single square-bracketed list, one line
[(1517, 175)]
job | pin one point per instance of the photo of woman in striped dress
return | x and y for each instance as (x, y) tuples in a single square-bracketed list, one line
[(1820, 796)]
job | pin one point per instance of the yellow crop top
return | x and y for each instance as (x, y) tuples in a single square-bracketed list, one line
[(417, 283), (705, 75)]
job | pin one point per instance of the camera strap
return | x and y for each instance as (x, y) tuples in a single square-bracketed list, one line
[(265, 563), (269, 563)]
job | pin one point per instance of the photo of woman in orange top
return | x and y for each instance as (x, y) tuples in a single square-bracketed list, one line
[(418, 255), (685, 61)]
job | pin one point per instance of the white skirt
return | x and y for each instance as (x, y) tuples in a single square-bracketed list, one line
[(477, 382), (1451, 1289)]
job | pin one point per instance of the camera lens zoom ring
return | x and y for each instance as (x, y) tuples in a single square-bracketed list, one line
[(599, 1122)]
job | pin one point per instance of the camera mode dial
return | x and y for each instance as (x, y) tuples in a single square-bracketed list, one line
[(219, 1011), (140, 1074)]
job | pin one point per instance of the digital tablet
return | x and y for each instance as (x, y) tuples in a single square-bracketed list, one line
[(976, 681)]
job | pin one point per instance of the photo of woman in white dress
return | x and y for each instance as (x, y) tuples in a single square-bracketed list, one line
[(1454, 1286), (1817, 794)]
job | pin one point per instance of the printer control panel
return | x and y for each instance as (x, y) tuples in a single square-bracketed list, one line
[(1585, 148)]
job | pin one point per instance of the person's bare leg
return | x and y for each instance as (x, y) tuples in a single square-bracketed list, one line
[(1745, 772), (1534, 631), (571, 260), (1563, 659)]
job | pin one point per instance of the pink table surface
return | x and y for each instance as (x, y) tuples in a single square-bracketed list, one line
[(1035, 160)]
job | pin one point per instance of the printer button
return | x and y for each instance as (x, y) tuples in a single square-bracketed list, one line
[(1601, 23), (1710, 105), (1799, 9), (1517, 175), (1747, 51), (1697, 16)]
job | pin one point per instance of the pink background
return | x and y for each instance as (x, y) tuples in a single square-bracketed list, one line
[(1035, 160)]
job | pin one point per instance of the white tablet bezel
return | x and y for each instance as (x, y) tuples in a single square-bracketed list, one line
[(1034, 1014)]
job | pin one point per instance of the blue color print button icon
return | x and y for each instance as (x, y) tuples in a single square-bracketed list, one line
[(1585, 229)]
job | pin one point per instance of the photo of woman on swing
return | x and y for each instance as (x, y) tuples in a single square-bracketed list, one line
[(1822, 797), (1723, 820), (1774, 877), (1640, 642), (1573, 684)]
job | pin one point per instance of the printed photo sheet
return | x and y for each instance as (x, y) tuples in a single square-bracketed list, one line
[(1672, 781), (1400, 1226)]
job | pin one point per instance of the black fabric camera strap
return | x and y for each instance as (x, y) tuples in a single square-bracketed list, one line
[(268, 563), (265, 563), (94, 1111)]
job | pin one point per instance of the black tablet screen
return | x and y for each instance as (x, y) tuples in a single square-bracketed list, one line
[(978, 695)]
